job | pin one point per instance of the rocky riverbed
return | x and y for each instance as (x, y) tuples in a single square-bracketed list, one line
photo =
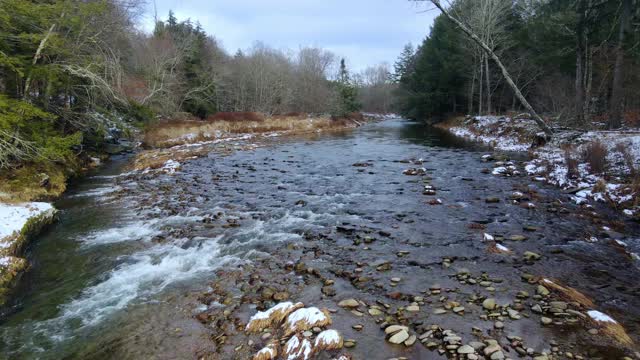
[(400, 238)]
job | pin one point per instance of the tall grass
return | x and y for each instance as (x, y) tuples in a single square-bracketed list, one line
[(182, 131)]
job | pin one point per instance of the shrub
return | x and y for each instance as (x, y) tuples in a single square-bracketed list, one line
[(595, 154), (571, 162)]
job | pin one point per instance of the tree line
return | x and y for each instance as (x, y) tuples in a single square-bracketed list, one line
[(72, 71), (576, 61)]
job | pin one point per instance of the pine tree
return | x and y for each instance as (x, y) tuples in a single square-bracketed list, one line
[(347, 93), (404, 63)]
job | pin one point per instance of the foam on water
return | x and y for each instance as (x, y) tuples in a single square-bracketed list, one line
[(149, 273), (98, 192), (140, 230)]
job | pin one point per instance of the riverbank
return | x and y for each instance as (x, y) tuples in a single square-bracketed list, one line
[(595, 165), (18, 224), (170, 142)]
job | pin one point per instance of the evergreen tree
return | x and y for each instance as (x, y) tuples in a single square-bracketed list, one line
[(347, 93), (404, 63)]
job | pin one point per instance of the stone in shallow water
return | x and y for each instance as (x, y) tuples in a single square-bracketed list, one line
[(349, 303), (489, 304), (399, 337), (466, 349)]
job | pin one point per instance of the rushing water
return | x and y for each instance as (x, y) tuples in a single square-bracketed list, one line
[(108, 277)]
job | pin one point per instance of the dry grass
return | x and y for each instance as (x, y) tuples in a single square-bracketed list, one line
[(179, 132), (451, 122), (571, 162), (25, 183), (566, 293), (595, 154)]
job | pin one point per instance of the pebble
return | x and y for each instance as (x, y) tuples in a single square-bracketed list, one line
[(375, 312), (413, 308), (349, 303), (498, 325), (466, 349), (489, 304), (357, 327), (545, 320), (541, 290), (410, 341), (349, 343), (399, 337)]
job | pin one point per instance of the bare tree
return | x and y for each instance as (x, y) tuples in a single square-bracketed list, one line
[(496, 59)]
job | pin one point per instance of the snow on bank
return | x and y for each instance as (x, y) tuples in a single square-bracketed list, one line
[(15, 222), (566, 161), (14, 217), (502, 133)]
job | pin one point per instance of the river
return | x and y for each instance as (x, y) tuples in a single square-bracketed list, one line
[(120, 275)]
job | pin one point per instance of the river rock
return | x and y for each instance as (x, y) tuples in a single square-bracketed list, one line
[(545, 320), (349, 303), (399, 337), (466, 349), (541, 290), (489, 304)]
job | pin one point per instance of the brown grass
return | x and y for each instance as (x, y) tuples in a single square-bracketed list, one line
[(571, 162), (183, 131), (566, 293), (595, 154)]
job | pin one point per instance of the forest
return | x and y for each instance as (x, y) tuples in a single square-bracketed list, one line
[(577, 62), (76, 74)]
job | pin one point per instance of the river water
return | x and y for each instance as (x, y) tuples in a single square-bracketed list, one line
[(111, 278)]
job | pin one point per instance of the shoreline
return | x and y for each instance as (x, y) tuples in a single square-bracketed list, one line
[(594, 165)]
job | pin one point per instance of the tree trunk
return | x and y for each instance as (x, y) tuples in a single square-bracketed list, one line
[(505, 73), (36, 56), (615, 114), (488, 79), (471, 92), (580, 63), (480, 85)]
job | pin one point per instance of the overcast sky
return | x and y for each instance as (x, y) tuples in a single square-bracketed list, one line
[(366, 32)]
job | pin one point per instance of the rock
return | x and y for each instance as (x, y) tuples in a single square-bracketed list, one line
[(561, 305), (396, 279), (492, 200), (541, 290), (267, 294), (412, 308), (349, 303), (439, 311), (536, 309), (531, 256), (466, 349), (392, 329), (498, 325), (399, 337), (518, 238), (358, 327), (545, 320), (328, 291), (410, 341), (458, 309), (477, 345), (375, 312), (349, 343), (498, 355), (492, 348), (489, 304), (281, 296), (513, 314)]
